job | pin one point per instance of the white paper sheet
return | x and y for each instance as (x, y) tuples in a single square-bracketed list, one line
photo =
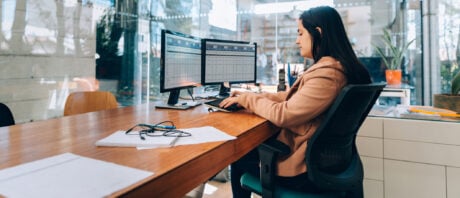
[(67, 175), (121, 139), (200, 135)]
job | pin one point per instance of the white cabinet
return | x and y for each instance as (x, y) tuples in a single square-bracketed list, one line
[(453, 181), (410, 158), (414, 180), (373, 188)]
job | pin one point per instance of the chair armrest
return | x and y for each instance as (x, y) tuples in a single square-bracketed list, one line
[(268, 153), (274, 145)]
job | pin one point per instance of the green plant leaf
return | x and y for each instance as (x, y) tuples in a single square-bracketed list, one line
[(382, 54), (397, 52)]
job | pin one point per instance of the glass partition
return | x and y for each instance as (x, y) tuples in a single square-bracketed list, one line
[(51, 48)]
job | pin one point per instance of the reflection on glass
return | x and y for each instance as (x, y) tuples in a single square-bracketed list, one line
[(223, 14), (43, 46), (118, 43), (449, 42)]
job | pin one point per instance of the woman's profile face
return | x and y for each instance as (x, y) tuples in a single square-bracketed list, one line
[(304, 41)]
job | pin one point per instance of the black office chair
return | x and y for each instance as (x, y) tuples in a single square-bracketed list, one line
[(333, 162), (6, 117)]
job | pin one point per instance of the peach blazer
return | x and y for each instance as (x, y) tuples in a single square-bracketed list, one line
[(299, 111)]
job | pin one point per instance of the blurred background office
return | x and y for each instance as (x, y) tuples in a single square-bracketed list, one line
[(51, 48)]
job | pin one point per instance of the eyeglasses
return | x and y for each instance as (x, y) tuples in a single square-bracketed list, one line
[(165, 128)]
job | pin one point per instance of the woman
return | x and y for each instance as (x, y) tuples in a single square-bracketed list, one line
[(298, 112)]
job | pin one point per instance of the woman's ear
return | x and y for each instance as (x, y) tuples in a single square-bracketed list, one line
[(319, 30)]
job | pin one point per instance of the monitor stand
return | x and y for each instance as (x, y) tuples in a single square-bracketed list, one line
[(174, 103), (224, 91)]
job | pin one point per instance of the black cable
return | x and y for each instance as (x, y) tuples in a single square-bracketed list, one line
[(158, 129)]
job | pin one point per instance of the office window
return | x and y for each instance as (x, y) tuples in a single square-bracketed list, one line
[(449, 42), (223, 14), (51, 48)]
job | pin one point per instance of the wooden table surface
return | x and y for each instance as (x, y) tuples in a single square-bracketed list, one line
[(176, 170)]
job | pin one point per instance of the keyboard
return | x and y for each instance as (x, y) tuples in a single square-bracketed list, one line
[(215, 104)]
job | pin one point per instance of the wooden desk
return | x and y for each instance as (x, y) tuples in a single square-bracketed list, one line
[(176, 170)]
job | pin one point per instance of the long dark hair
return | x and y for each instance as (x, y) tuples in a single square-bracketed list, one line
[(333, 41)]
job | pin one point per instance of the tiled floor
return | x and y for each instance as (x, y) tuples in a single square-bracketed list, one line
[(218, 189)]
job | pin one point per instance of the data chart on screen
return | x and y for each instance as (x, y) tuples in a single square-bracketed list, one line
[(229, 61), (182, 64)]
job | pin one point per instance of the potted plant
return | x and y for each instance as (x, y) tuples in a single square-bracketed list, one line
[(393, 59), (449, 101)]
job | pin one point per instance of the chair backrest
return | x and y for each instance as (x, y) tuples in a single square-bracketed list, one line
[(332, 159), (6, 117), (88, 101)]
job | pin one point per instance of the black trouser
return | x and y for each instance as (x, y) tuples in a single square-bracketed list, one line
[(250, 164)]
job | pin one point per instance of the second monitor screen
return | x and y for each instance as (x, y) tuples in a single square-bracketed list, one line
[(228, 61)]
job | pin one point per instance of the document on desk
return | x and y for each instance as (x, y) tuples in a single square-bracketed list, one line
[(121, 139), (67, 175), (203, 135), (198, 135)]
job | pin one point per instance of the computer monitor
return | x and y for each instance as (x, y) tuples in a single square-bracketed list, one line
[(180, 65), (226, 61)]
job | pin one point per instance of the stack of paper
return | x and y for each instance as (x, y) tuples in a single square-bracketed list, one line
[(67, 175), (198, 135), (121, 139)]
